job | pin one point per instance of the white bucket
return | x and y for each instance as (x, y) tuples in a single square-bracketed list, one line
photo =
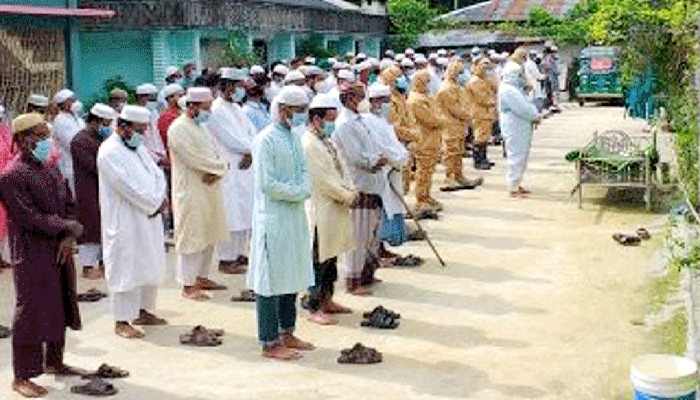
[(664, 377)]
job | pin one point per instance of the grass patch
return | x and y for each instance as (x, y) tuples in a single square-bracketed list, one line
[(662, 288), (670, 336)]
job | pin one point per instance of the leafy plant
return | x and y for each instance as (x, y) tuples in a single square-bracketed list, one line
[(238, 52), (309, 48), (410, 18)]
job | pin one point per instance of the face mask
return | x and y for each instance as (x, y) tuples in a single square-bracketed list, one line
[(42, 150), (318, 87), (202, 117), (152, 105), (135, 141), (299, 119), (462, 79), (104, 131), (402, 84), (238, 94), (384, 110), (76, 108), (328, 128), (364, 106)]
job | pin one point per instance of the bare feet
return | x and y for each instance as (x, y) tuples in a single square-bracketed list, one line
[(321, 318), (292, 342), (123, 329), (65, 370), (280, 352), (208, 284), (194, 293), (93, 274), (361, 291), (335, 308), (147, 319), (28, 388)]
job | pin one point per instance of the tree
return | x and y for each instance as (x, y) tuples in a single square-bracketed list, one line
[(410, 18)]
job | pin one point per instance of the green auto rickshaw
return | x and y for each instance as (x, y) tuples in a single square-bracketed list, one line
[(598, 75)]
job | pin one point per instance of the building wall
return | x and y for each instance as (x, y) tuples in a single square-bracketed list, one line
[(106, 55)]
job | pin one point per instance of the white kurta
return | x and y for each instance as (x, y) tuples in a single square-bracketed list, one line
[(132, 187), (234, 132), (396, 152), (152, 140), (65, 127), (516, 117)]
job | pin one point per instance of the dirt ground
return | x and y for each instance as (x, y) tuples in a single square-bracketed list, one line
[(537, 302)]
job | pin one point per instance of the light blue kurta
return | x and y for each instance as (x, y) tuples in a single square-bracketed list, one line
[(280, 260)]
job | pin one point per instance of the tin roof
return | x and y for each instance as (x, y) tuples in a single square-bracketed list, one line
[(510, 10), (56, 11)]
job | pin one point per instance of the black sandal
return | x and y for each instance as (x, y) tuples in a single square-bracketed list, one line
[(91, 296), (107, 372), (96, 387), (382, 311), (643, 234), (360, 354), (408, 261), (381, 321), (626, 240)]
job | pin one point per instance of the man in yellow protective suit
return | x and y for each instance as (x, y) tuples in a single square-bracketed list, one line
[(482, 92), (400, 116), (431, 122), (454, 102)]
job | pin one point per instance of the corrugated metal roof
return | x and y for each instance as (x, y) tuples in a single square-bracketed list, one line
[(510, 10), (463, 38), (321, 4), (56, 11)]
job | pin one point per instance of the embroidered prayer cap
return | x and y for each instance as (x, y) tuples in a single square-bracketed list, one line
[(294, 76), (256, 69), (199, 95), (146, 88), (280, 69), (172, 89), (63, 95), (136, 114), (346, 75), (38, 100), (26, 121), (103, 111), (379, 90), (407, 63), (293, 96), (324, 101), (170, 71)]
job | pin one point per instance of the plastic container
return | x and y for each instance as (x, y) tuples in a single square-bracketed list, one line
[(664, 377)]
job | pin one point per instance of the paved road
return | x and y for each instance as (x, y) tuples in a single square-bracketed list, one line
[(536, 304)]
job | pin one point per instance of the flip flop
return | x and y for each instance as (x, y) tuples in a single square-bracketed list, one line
[(626, 240), (380, 321), (91, 296), (201, 339), (246, 296), (360, 354), (5, 332), (107, 372), (643, 234), (96, 388), (383, 311)]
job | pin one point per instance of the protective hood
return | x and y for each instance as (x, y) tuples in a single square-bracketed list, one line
[(453, 70), (420, 81), (390, 75)]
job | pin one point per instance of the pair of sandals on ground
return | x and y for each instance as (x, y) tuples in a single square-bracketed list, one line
[(381, 318), (97, 385), (632, 240)]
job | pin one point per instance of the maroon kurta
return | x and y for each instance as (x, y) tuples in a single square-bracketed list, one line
[(83, 149), (39, 205)]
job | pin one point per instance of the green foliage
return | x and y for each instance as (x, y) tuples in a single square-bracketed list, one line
[(313, 49), (238, 53), (410, 18)]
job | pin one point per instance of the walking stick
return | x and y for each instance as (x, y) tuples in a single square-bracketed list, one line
[(415, 219)]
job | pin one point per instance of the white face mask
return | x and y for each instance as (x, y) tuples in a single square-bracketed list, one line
[(76, 108)]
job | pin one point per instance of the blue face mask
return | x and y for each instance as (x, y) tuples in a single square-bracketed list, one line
[(104, 131), (238, 94), (42, 150), (386, 107), (328, 128), (462, 79), (202, 117), (299, 119), (135, 141), (402, 84)]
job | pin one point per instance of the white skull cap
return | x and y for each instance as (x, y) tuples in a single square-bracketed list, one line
[(323, 101), (292, 76), (199, 95), (379, 90), (280, 69), (256, 69), (172, 89), (103, 111), (138, 114), (38, 100), (63, 95), (146, 88), (293, 96)]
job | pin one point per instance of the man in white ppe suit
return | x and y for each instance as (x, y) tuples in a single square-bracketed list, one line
[(132, 198)]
